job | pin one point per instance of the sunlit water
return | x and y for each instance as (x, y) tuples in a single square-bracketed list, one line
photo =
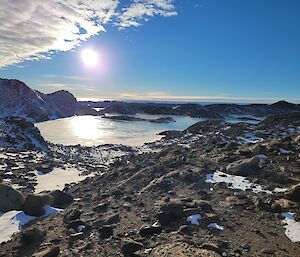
[(93, 130)]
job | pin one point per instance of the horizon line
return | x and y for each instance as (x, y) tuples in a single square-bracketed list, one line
[(199, 99)]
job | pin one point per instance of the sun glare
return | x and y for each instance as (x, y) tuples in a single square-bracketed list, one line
[(89, 57)]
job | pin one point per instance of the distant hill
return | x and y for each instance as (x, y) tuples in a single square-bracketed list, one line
[(215, 111), (17, 99)]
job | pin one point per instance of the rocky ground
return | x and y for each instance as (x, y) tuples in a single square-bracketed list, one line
[(215, 189)]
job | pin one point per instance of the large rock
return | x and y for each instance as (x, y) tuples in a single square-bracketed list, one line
[(170, 212), (34, 204), (32, 236), (294, 193), (61, 199), (244, 167), (10, 199)]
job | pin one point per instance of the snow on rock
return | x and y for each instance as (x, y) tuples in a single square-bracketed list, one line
[(249, 138), (234, 182), (284, 151), (18, 133), (194, 219), (292, 227), (215, 225), (280, 190), (3, 167), (11, 222)]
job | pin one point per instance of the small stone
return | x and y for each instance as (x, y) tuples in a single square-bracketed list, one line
[(53, 252), (129, 247)]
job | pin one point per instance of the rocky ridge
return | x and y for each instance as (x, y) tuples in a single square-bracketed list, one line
[(211, 111), (17, 99)]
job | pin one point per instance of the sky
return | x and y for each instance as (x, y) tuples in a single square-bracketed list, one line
[(179, 50)]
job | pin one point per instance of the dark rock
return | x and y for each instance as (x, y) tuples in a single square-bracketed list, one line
[(61, 199), (74, 224), (150, 230), (106, 231), (33, 204), (112, 219), (10, 199), (170, 211), (102, 207), (53, 252), (32, 236), (294, 193), (71, 216), (244, 167), (75, 237), (129, 247)]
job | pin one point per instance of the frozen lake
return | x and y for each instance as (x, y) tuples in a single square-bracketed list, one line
[(95, 130)]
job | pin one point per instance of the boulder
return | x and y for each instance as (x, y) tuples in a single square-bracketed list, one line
[(32, 236), (60, 199), (33, 204), (10, 199), (294, 193), (170, 212), (244, 167)]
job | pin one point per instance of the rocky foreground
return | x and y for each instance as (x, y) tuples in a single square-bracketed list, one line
[(215, 189)]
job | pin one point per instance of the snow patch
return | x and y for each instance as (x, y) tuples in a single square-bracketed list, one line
[(279, 190), (194, 219), (234, 182), (11, 222), (292, 227), (283, 151), (215, 225), (57, 178)]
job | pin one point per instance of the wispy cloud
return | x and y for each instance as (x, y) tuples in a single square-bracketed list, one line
[(76, 89), (35, 29), (75, 78)]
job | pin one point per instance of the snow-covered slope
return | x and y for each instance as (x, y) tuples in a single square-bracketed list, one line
[(18, 133), (17, 99)]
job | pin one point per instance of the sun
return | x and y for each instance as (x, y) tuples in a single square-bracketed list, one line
[(89, 57)]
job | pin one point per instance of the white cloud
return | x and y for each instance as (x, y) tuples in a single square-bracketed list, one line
[(33, 29), (137, 12)]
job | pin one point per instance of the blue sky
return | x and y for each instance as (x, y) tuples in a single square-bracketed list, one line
[(225, 50)]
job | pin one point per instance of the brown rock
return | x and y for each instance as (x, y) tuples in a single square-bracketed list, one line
[(34, 204), (10, 199)]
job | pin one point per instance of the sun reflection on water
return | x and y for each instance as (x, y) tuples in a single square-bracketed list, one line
[(88, 127)]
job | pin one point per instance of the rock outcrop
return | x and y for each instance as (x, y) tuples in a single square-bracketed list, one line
[(17, 99), (10, 199), (18, 133)]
